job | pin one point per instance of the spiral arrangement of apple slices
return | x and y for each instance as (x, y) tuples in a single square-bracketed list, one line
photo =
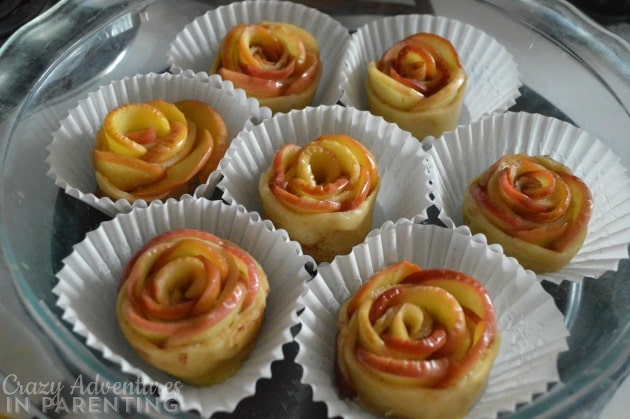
[(419, 84), (322, 194), (275, 62), (416, 343), (157, 149), (191, 304), (533, 206)]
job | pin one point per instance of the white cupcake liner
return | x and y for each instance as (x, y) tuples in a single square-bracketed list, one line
[(463, 154), (195, 47), (72, 144), (493, 77), (532, 328), (406, 174), (88, 283)]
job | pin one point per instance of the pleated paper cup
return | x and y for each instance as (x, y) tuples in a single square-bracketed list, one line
[(532, 328), (406, 173), (195, 47), (88, 281), (463, 154), (493, 77), (70, 152)]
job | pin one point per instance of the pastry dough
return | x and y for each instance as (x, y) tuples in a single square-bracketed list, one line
[(322, 194), (192, 304), (275, 62), (157, 149), (416, 343), (418, 83), (533, 206)]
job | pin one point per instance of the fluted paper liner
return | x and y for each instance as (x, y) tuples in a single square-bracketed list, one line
[(463, 154), (532, 328), (493, 76), (89, 278), (406, 174), (195, 47), (70, 153)]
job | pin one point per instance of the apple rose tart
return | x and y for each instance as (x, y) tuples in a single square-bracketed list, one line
[(322, 194), (416, 343), (277, 63), (157, 149), (192, 304), (533, 206), (419, 84)]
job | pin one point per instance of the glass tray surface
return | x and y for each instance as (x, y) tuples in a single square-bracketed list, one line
[(571, 70)]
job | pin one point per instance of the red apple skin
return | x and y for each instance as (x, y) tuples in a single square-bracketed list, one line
[(383, 279), (206, 117), (433, 369), (422, 347)]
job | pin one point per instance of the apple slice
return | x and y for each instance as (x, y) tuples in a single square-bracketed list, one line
[(228, 55), (306, 77), (126, 173), (442, 45), (256, 46), (363, 155), (309, 41), (317, 165), (469, 292), (280, 71), (193, 246), (442, 306), (383, 279), (252, 85), (132, 117), (303, 204), (106, 188), (420, 373), (291, 42), (156, 310), (206, 117), (579, 215), (183, 171), (390, 90), (146, 137), (170, 110), (199, 328), (168, 146)]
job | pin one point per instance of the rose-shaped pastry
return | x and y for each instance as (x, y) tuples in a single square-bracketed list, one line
[(419, 84), (416, 343), (533, 206), (156, 150), (275, 62), (322, 194), (192, 304)]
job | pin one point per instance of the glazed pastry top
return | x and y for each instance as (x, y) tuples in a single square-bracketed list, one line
[(187, 286), (416, 343), (157, 149), (535, 199), (417, 73), (330, 174), (415, 327), (269, 59)]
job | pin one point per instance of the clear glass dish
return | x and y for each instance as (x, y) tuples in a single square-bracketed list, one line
[(570, 68)]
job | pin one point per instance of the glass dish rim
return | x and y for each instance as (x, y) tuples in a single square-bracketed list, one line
[(587, 37)]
